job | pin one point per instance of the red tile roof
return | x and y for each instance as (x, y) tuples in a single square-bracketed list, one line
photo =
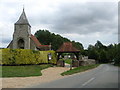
[(35, 40), (37, 43), (67, 47), (43, 45)]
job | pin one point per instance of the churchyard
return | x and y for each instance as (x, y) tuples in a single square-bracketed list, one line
[(26, 63)]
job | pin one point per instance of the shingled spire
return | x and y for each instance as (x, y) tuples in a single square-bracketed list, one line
[(23, 19)]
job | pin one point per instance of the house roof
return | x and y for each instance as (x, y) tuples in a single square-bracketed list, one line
[(67, 47), (23, 19)]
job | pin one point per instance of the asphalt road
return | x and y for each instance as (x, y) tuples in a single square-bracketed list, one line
[(104, 76)]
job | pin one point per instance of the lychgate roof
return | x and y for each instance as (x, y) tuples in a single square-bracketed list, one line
[(67, 47), (23, 19)]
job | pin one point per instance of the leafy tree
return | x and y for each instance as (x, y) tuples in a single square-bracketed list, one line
[(93, 53), (103, 57), (111, 52), (77, 45), (45, 37), (117, 56), (98, 44), (99, 52), (84, 52)]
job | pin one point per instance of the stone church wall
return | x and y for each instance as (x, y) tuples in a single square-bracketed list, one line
[(21, 32), (32, 45)]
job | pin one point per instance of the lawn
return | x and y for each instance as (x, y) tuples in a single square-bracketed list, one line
[(0, 71), (79, 69), (23, 71)]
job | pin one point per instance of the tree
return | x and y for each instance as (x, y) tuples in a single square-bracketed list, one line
[(111, 52), (93, 53), (45, 37), (77, 45), (98, 45), (117, 56), (103, 57), (84, 52)]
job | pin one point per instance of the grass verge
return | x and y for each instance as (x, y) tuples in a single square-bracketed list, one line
[(23, 71), (79, 69)]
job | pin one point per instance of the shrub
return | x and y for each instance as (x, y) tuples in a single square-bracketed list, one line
[(26, 56), (0, 56)]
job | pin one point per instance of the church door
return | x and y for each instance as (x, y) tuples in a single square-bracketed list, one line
[(21, 44)]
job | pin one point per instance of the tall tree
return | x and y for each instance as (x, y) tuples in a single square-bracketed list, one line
[(98, 44), (117, 56), (56, 40)]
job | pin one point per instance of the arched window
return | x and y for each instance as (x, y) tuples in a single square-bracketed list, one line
[(21, 44)]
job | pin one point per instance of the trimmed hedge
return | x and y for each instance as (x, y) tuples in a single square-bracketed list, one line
[(25, 56)]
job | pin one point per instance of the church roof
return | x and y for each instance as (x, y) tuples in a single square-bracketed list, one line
[(37, 43), (67, 47), (23, 19), (35, 40)]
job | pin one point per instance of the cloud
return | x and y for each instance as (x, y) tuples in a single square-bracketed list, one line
[(85, 22), (85, 18)]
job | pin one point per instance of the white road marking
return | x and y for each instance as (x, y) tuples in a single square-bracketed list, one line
[(88, 81)]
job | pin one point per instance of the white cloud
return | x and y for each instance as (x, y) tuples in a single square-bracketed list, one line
[(60, 16)]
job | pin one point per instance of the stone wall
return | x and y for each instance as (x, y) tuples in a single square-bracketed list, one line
[(86, 62), (61, 63), (32, 45)]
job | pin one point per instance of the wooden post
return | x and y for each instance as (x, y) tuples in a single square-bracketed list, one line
[(71, 65)]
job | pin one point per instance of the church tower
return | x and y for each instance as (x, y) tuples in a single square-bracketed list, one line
[(22, 33), (22, 37)]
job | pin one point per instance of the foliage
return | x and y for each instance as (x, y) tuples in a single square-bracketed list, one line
[(61, 60), (104, 54), (79, 69), (117, 56), (0, 55), (99, 52), (93, 54), (68, 61), (77, 45), (23, 71), (46, 37), (26, 56)]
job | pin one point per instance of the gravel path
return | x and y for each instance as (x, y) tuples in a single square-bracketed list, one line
[(48, 75)]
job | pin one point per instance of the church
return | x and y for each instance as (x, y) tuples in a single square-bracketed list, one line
[(22, 37)]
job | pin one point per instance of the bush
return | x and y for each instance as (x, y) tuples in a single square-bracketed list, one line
[(0, 56), (26, 56)]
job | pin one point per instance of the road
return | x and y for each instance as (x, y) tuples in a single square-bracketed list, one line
[(104, 76)]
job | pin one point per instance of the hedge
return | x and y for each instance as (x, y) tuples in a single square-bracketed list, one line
[(25, 56)]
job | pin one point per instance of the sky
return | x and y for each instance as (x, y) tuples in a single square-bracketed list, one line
[(84, 21)]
